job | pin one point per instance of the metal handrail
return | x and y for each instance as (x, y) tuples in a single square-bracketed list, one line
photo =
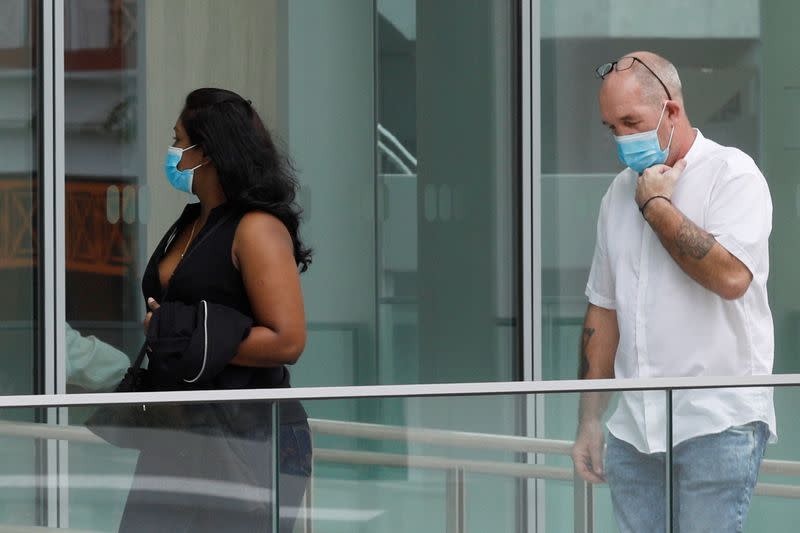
[(394, 157), (520, 470), (5, 528), (400, 391), (443, 437), (396, 143)]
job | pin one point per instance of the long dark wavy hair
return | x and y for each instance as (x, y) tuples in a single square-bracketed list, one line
[(253, 172)]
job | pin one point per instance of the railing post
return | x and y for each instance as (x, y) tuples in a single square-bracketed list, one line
[(584, 505), (455, 494), (308, 501)]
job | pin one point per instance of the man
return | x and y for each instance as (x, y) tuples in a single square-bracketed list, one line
[(677, 288)]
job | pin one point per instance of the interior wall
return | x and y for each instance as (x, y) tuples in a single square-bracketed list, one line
[(189, 44)]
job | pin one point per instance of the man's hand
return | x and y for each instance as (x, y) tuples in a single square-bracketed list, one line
[(152, 305), (587, 453), (658, 180)]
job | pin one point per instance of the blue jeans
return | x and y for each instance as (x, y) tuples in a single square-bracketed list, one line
[(295, 471), (712, 482)]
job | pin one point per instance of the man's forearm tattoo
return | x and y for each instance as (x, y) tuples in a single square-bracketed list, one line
[(583, 368), (693, 241)]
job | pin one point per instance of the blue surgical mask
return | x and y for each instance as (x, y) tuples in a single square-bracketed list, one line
[(641, 151), (180, 179)]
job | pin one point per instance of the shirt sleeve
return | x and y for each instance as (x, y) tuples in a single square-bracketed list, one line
[(600, 288), (93, 364), (740, 219)]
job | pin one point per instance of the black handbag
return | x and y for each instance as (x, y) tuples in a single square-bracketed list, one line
[(137, 425)]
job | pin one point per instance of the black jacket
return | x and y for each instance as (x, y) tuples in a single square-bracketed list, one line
[(189, 345)]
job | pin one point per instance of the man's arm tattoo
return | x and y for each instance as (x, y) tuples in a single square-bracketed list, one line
[(693, 241), (583, 369)]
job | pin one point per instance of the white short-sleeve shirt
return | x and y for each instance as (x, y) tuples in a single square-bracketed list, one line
[(670, 325)]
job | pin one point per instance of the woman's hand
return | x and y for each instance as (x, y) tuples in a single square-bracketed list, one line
[(152, 305)]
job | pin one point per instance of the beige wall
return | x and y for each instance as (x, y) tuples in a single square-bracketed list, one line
[(200, 43)]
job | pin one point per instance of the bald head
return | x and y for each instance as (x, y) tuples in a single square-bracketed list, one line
[(651, 90)]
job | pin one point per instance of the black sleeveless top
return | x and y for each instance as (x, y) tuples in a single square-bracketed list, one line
[(206, 272)]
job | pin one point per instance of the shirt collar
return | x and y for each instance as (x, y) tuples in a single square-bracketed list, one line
[(696, 150)]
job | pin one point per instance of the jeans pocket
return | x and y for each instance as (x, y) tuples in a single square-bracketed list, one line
[(756, 431), (745, 429)]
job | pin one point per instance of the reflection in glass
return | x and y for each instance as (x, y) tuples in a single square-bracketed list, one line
[(102, 154), (20, 248), (422, 464), (407, 165), (19, 198)]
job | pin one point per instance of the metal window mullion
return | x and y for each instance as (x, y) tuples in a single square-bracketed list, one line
[(59, 377), (531, 244), (533, 179), (526, 188), (59, 196), (52, 248), (456, 501), (46, 257), (669, 463), (46, 249), (275, 469)]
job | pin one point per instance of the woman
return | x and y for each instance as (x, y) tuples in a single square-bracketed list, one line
[(239, 250)]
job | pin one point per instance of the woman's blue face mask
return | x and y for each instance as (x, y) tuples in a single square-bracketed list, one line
[(180, 179), (641, 151)]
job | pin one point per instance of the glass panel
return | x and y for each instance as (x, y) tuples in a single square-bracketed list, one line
[(388, 298), (105, 239), (395, 236), (117, 128), (738, 460), (20, 176), (20, 172), (325, 112), (720, 59), (740, 90), (774, 506), (419, 464), (200, 467), (23, 487), (781, 143), (447, 177), (422, 463)]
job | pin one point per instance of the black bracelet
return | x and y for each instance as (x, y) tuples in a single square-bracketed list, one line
[(644, 205)]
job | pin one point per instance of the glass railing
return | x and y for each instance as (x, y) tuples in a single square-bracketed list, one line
[(452, 458)]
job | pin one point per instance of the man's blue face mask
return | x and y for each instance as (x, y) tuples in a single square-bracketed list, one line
[(641, 151), (180, 179)]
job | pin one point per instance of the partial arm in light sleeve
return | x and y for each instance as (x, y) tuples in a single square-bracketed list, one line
[(92, 364)]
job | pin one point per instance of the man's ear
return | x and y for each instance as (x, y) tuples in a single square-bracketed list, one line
[(674, 109)]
